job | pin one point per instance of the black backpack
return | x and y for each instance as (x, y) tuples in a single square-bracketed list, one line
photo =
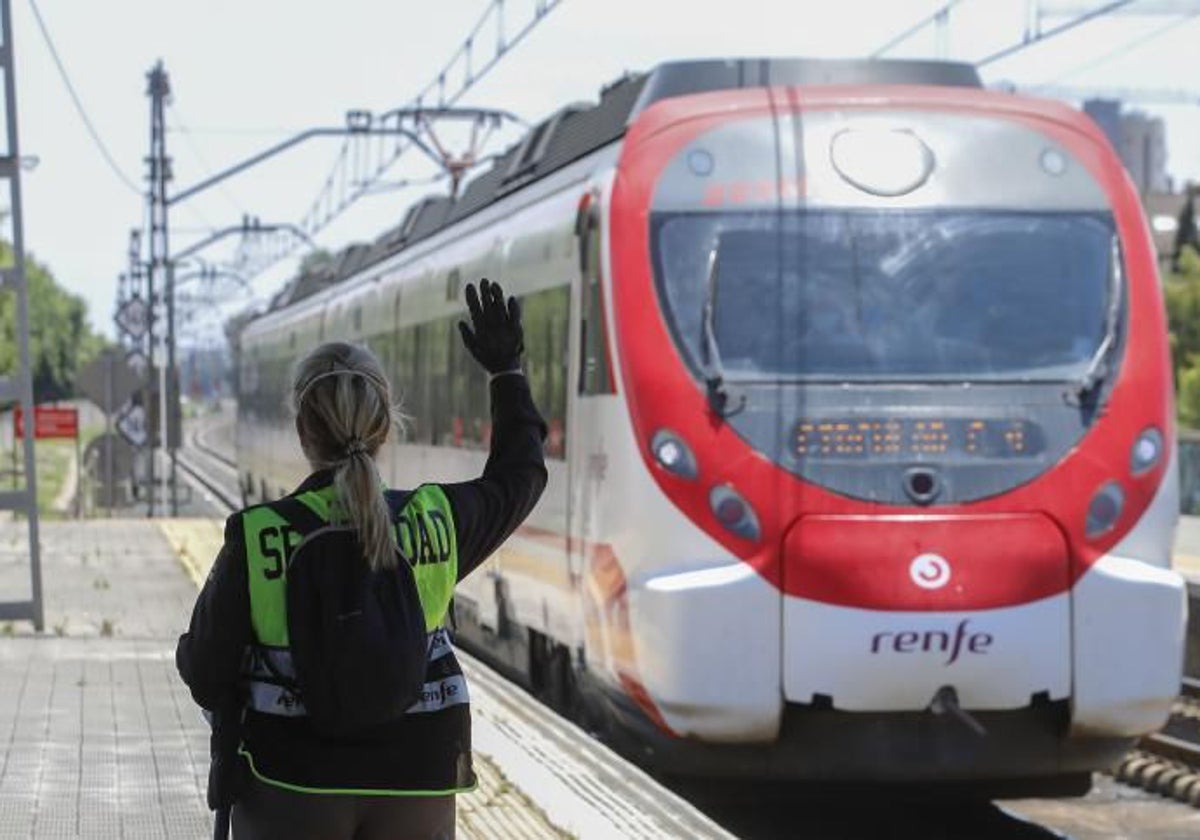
[(357, 636)]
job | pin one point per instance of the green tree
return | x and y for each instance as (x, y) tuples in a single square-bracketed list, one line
[(1185, 233), (1182, 292), (60, 340)]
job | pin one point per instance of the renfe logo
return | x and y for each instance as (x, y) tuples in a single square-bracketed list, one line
[(929, 571), (911, 641)]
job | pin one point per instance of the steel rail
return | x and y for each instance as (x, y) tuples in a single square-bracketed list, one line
[(216, 488), (212, 452), (1174, 749)]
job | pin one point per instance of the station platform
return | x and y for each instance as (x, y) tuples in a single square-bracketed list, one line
[(99, 738)]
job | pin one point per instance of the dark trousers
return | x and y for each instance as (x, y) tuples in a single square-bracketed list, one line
[(265, 812)]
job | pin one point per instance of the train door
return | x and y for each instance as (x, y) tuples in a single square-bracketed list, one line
[(591, 373)]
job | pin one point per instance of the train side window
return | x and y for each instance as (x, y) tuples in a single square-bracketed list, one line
[(453, 285), (437, 392), (383, 344), (422, 411), (595, 377), (545, 317)]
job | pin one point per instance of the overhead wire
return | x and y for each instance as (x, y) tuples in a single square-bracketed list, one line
[(1086, 17), (904, 35), (101, 146), (1123, 49), (324, 209), (181, 127)]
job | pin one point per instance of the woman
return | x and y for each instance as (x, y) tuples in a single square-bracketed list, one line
[(397, 780)]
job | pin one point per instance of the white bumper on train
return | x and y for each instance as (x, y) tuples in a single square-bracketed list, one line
[(709, 651), (1129, 624), (712, 657)]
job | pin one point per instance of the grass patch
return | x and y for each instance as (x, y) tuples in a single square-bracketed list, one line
[(53, 459)]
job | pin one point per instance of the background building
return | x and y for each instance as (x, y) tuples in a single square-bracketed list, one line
[(1139, 139)]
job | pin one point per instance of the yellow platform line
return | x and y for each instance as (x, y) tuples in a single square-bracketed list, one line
[(195, 542)]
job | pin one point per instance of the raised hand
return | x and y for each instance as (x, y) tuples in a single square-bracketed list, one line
[(495, 337)]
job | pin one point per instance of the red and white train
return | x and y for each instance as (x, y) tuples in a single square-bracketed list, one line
[(861, 421)]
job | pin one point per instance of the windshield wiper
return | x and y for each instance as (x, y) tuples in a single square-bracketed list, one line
[(1098, 368), (714, 372)]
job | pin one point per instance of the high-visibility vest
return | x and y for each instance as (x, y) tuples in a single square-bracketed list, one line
[(425, 534)]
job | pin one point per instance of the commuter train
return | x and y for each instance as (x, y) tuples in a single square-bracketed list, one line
[(861, 436)]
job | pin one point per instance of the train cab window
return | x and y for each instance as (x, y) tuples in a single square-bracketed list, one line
[(887, 295), (595, 377)]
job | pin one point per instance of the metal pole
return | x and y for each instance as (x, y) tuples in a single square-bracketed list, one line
[(22, 301), (78, 469), (159, 89), (110, 359), (171, 399)]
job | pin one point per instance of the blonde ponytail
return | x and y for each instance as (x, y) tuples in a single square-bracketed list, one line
[(342, 403)]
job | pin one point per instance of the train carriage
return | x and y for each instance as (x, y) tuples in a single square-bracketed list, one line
[(861, 424)]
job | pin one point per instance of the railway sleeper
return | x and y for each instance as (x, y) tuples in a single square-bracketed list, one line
[(1158, 775)]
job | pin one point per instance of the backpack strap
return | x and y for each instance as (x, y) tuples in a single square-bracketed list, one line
[(396, 500), (306, 521), (299, 514)]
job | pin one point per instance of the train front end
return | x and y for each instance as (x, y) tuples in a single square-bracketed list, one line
[(898, 354)]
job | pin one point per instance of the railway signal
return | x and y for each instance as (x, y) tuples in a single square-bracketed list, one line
[(133, 318), (131, 424), (138, 363), (109, 380)]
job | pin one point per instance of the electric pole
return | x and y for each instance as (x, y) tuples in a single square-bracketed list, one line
[(159, 271)]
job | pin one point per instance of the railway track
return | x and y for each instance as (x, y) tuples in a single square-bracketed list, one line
[(1168, 762), (213, 470)]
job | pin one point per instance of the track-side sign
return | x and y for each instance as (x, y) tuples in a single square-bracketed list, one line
[(133, 317), (131, 423), (48, 422), (138, 363), (108, 380)]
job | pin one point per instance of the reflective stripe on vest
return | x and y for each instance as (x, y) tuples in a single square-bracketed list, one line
[(271, 679), (425, 534)]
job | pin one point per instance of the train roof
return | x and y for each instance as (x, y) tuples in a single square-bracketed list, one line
[(576, 130), (682, 78)]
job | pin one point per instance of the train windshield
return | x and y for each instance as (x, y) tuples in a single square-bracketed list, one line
[(887, 295)]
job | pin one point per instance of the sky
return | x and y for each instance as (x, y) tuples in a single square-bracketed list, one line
[(245, 75)]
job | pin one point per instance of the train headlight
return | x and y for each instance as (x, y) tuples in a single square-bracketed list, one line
[(673, 455), (1146, 451), (881, 161), (733, 512), (1104, 509)]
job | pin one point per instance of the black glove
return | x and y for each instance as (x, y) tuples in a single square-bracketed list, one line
[(497, 340)]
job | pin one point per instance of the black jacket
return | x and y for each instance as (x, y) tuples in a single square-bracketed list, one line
[(419, 752)]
